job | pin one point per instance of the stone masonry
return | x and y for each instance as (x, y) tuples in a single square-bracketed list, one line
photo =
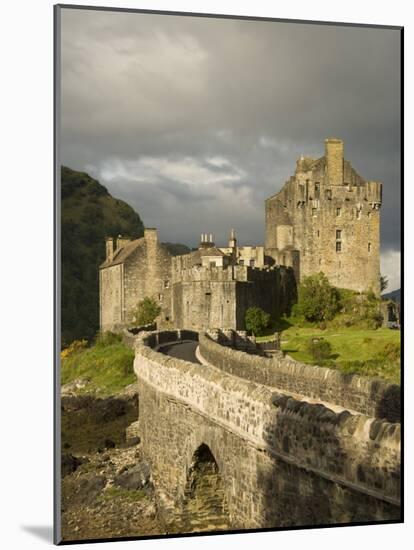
[(280, 461), (326, 219)]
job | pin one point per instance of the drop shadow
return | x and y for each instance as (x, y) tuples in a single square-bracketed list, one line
[(42, 532)]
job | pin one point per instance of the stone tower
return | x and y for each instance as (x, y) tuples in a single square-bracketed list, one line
[(327, 218)]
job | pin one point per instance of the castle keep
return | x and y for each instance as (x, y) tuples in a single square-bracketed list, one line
[(326, 219)]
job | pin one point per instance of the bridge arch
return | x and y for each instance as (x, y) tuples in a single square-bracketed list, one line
[(205, 504)]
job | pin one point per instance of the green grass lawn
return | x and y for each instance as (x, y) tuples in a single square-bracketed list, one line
[(353, 350), (108, 367)]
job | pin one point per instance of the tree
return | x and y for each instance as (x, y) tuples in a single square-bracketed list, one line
[(383, 282), (317, 299), (319, 349), (146, 312), (256, 320)]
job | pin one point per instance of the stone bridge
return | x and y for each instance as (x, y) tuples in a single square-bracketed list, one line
[(246, 442)]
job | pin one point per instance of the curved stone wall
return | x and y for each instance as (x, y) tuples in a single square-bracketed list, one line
[(372, 397), (270, 448)]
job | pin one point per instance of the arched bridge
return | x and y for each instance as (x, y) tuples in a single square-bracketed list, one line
[(246, 442)]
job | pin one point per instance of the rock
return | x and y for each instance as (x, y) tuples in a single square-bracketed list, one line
[(136, 477), (89, 489), (70, 463), (130, 442)]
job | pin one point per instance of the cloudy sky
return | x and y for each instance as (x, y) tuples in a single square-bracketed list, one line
[(195, 121)]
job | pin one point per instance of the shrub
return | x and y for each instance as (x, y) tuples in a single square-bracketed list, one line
[(75, 346), (391, 351), (319, 349), (146, 312), (256, 320), (317, 299)]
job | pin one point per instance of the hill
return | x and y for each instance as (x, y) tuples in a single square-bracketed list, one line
[(89, 214), (394, 295), (177, 249)]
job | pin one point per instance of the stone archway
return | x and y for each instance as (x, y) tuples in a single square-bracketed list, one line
[(205, 506)]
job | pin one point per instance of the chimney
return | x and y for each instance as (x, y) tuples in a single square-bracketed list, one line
[(232, 240), (122, 241), (334, 154), (151, 234), (109, 249)]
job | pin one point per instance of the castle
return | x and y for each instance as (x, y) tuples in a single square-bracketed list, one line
[(325, 218)]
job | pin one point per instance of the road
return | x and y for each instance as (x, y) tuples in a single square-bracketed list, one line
[(182, 350)]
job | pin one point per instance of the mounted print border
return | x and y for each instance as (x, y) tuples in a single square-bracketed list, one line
[(234, 365)]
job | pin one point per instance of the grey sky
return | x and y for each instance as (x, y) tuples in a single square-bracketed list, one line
[(195, 121)]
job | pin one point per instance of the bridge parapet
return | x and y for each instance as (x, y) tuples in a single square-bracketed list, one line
[(256, 435), (369, 396)]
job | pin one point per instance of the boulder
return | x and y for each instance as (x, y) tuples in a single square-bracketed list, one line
[(136, 477)]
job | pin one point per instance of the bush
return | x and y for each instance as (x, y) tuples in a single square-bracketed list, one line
[(391, 351), (146, 312), (319, 349), (256, 320), (75, 346), (317, 299)]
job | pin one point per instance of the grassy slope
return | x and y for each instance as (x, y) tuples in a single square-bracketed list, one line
[(108, 367), (353, 350)]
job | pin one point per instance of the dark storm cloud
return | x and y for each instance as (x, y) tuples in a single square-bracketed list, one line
[(196, 121)]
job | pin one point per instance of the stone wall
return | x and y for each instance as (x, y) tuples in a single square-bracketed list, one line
[(372, 397), (111, 297), (282, 462), (217, 297)]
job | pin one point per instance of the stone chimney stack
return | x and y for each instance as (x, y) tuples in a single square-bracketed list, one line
[(151, 235), (232, 240), (334, 153), (109, 249)]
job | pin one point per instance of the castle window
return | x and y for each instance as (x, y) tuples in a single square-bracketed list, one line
[(359, 212), (167, 318), (328, 194), (166, 284), (314, 211), (338, 234), (317, 190), (212, 264), (160, 297), (251, 263), (369, 214), (241, 262), (338, 211), (318, 233), (369, 247), (338, 246)]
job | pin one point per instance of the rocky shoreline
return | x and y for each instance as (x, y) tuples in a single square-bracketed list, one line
[(106, 484)]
